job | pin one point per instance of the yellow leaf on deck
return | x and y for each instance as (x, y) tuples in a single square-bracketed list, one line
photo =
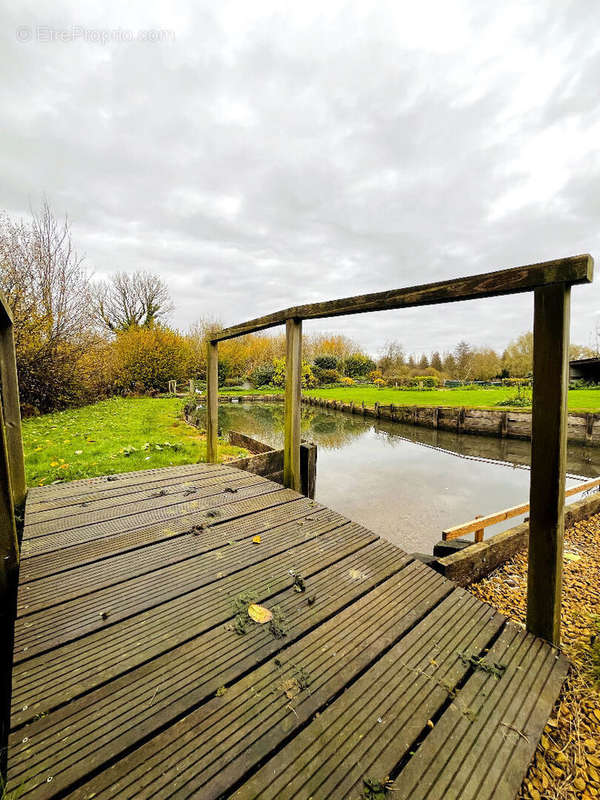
[(259, 614), (256, 539), (356, 574)]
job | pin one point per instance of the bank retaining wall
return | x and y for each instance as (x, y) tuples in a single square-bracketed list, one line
[(582, 426)]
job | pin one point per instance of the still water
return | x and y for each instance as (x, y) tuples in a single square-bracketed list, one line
[(404, 482)]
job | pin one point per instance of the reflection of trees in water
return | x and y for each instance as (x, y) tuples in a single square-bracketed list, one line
[(265, 421), (333, 430)]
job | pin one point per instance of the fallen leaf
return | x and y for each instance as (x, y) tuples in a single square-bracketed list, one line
[(256, 539), (259, 614), (572, 556), (355, 574)]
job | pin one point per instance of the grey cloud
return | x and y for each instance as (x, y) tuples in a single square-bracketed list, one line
[(271, 157)]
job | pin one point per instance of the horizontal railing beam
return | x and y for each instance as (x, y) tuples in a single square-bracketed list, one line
[(572, 270), (480, 523)]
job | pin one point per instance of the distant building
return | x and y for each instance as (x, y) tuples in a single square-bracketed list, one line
[(585, 369)]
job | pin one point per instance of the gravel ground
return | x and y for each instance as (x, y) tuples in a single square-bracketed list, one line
[(566, 763)]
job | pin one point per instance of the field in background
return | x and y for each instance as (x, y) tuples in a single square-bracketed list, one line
[(579, 399), (116, 435)]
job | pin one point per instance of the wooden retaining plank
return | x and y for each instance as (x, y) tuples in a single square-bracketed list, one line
[(43, 564), (48, 680), (63, 621), (103, 723), (100, 530), (53, 588), (373, 725), (506, 720), (256, 708)]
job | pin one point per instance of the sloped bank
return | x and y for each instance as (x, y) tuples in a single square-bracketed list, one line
[(265, 460)]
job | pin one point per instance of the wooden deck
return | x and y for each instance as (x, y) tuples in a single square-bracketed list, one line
[(131, 681)]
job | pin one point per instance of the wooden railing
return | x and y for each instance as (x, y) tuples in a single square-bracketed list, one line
[(478, 524), (12, 467), (551, 284), (12, 493)]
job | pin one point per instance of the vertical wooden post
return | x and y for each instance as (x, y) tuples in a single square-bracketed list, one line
[(308, 468), (293, 393), (212, 402), (9, 545), (12, 413), (479, 533), (548, 459)]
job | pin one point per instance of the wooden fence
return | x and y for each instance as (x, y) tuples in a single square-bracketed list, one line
[(551, 284)]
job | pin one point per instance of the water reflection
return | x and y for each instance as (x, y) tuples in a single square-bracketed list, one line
[(404, 482)]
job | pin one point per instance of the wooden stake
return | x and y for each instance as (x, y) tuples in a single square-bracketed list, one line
[(293, 393), (548, 459), (212, 402), (12, 413)]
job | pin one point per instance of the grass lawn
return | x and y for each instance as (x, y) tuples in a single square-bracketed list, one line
[(237, 390), (116, 435), (579, 399)]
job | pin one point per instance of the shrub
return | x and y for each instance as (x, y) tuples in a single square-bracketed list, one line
[(347, 381), (375, 374), (326, 361), (379, 382), (148, 358), (328, 376), (224, 369), (308, 379), (262, 375), (426, 381), (358, 365)]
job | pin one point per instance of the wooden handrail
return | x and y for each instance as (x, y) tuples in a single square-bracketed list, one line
[(480, 523), (572, 270)]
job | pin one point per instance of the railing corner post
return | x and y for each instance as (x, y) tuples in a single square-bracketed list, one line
[(548, 459), (212, 402), (293, 394)]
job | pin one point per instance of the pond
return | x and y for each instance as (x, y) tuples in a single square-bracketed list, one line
[(404, 482)]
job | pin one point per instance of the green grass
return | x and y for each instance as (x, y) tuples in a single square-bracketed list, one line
[(116, 435), (579, 399), (238, 390)]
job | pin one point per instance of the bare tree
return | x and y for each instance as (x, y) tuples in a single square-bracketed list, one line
[(48, 290), (131, 301)]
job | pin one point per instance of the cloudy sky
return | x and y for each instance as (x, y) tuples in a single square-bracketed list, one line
[(261, 155)]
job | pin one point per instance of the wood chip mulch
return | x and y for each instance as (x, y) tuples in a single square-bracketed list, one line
[(566, 763)]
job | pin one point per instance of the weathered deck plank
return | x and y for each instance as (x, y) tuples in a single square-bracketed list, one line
[(126, 630)]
